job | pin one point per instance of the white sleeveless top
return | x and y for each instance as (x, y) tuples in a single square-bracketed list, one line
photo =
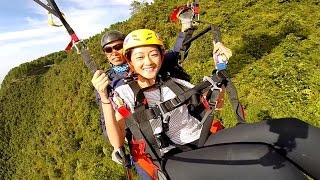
[(183, 128)]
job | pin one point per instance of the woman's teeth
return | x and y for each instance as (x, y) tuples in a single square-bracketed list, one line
[(148, 69)]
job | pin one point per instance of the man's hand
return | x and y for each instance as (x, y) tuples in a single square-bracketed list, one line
[(100, 81), (116, 156), (185, 17), (222, 51)]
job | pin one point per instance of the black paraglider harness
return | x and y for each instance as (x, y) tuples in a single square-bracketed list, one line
[(138, 124), (154, 143)]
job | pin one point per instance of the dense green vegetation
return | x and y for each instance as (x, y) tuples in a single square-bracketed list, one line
[(49, 119)]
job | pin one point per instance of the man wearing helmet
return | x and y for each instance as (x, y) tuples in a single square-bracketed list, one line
[(111, 43)]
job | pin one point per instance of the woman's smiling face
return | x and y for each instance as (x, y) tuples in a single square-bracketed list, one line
[(146, 61)]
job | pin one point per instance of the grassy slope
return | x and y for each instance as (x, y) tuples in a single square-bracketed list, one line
[(49, 120)]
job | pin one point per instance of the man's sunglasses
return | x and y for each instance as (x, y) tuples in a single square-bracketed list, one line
[(117, 47)]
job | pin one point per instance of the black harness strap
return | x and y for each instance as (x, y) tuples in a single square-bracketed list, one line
[(183, 95), (138, 122), (135, 130), (143, 113), (206, 125), (233, 95)]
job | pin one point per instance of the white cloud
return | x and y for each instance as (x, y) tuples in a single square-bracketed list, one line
[(98, 3), (105, 3), (29, 33), (86, 17)]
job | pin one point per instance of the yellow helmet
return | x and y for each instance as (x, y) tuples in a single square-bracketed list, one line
[(141, 37)]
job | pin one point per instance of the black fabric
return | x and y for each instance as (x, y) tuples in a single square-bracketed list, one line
[(234, 100), (185, 46), (173, 70), (223, 80), (231, 161), (291, 137)]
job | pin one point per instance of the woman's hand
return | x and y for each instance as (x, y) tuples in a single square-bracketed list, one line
[(100, 81)]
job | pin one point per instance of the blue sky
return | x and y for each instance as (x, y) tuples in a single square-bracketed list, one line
[(25, 34)]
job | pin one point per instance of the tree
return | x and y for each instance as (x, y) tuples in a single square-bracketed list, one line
[(136, 6)]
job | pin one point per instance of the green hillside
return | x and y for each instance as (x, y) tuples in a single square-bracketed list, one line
[(50, 121)]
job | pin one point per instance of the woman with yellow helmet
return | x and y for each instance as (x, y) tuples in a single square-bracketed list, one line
[(158, 124)]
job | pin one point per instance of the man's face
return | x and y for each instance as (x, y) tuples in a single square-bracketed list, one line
[(113, 51)]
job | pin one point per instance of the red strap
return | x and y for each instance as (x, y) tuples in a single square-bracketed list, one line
[(142, 158), (174, 15), (176, 12), (74, 38), (69, 46), (216, 126), (124, 111), (205, 103)]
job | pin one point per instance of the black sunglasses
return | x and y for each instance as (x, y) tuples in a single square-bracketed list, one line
[(117, 47)]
